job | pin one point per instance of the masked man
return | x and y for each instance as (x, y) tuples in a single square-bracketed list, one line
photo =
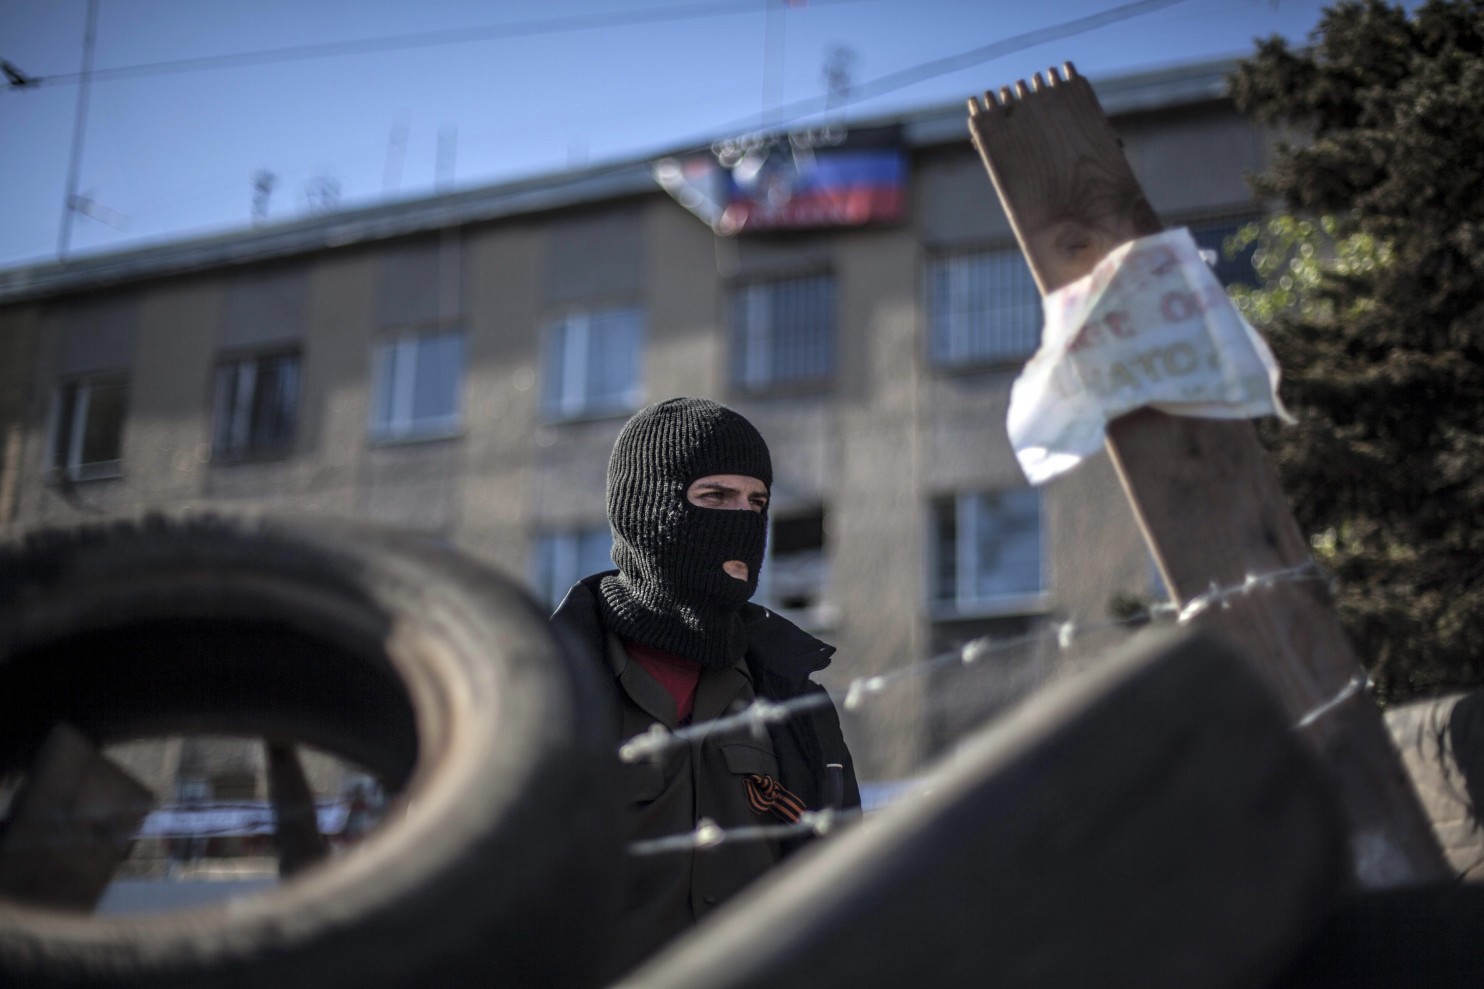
[(675, 635)]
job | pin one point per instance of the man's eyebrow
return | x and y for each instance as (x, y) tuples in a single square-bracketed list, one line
[(727, 489)]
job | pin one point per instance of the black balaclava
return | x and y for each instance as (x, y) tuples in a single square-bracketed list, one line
[(671, 592)]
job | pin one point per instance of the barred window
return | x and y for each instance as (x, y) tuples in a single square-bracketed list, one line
[(795, 578), (983, 308), (990, 551), (783, 333), (593, 364)]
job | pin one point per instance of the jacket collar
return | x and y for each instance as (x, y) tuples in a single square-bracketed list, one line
[(577, 615), (781, 647)]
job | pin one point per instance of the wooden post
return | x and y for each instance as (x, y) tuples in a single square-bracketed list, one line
[(70, 826), (296, 821), (1205, 495)]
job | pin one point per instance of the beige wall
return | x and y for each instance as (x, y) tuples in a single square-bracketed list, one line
[(505, 265), (1164, 149), (167, 438), (888, 436)]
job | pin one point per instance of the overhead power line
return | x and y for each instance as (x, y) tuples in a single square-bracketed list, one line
[(425, 39), (794, 112), (953, 63)]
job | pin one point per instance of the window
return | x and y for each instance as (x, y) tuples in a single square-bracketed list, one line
[(592, 364), (990, 553), (563, 558), (256, 406), (783, 333), (1235, 270), (87, 435), (417, 387), (983, 308), (795, 578)]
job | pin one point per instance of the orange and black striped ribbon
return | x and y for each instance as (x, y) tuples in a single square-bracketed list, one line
[(768, 796)]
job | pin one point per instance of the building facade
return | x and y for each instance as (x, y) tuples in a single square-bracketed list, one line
[(461, 365)]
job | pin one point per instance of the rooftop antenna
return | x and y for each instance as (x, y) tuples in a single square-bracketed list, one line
[(839, 66), (79, 129), (322, 195), (396, 151), (262, 189), (17, 78), (774, 38)]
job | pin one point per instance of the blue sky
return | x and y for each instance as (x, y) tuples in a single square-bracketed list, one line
[(378, 99)]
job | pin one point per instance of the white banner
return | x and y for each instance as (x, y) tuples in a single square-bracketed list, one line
[(224, 820), (1150, 326)]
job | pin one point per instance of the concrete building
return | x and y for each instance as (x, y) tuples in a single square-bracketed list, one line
[(460, 365)]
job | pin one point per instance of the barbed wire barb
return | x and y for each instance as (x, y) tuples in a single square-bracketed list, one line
[(1223, 596), (1352, 686), (708, 834)]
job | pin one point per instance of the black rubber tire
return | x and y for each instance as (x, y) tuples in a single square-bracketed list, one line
[(1441, 742), (497, 864)]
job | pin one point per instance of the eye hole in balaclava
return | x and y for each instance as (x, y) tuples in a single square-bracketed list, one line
[(671, 591)]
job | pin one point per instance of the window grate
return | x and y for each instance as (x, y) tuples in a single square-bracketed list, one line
[(783, 332), (983, 308), (990, 551)]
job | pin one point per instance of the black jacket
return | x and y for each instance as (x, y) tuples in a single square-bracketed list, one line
[(781, 658), (664, 894)]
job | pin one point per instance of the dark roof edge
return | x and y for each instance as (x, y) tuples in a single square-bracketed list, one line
[(1159, 89)]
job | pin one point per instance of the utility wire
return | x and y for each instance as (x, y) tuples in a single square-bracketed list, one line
[(794, 112), (799, 110), (424, 39), (784, 115), (964, 60), (757, 716)]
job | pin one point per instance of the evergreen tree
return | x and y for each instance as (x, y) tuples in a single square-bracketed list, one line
[(1373, 300)]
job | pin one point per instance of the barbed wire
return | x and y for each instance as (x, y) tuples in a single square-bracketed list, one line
[(1223, 596), (659, 740), (1352, 687), (755, 718)]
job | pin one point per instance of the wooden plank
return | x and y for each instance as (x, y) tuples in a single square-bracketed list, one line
[(70, 826), (295, 820), (1152, 823), (1204, 492)]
